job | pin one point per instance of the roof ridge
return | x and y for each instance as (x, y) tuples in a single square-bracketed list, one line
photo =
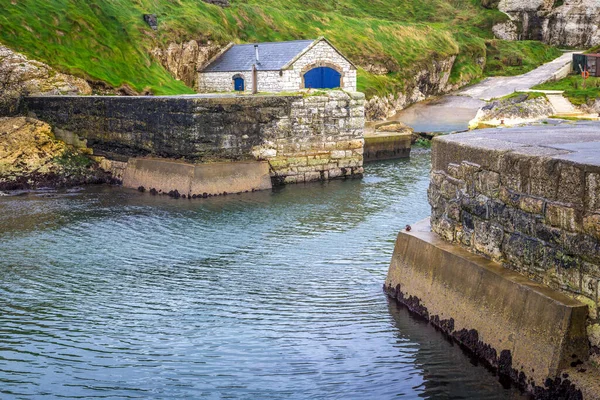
[(286, 41)]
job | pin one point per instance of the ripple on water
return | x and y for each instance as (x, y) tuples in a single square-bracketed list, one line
[(110, 293)]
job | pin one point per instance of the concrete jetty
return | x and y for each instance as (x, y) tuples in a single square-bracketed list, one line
[(509, 263), (387, 140)]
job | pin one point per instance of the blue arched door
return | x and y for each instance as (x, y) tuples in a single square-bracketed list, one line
[(322, 78), (238, 84)]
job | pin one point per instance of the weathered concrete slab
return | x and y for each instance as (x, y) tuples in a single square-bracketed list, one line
[(526, 330), (576, 142), (197, 179), (387, 145)]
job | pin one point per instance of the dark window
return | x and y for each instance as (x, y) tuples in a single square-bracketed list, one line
[(322, 78)]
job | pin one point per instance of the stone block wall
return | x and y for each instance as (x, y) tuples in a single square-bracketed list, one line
[(530, 208), (210, 82), (321, 55), (303, 137), (322, 138), (268, 81)]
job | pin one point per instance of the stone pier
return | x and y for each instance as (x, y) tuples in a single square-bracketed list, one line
[(509, 264), (304, 137)]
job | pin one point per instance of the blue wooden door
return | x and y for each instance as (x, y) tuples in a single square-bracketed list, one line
[(322, 78), (238, 84)]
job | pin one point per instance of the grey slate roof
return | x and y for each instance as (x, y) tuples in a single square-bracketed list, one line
[(273, 56)]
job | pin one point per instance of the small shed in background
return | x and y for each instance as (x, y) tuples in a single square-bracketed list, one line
[(587, 62)]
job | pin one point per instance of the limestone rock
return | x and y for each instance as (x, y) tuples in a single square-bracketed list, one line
[(20, 75), (183, 60), (592, 107), (379, 108), (594, 334), (513, 111), (376, 69), (506, 30), (37, 77), (576, 23), (27, 145), (31, 156)]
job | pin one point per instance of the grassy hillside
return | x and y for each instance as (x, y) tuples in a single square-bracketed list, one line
[(506, 58), (109, 41)]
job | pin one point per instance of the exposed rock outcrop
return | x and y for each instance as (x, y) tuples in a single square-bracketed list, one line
[(31, 157), (574, 23), (513, 111), (380, 108), (593, 107), (19, 75), (221, 3), (151, 20), (183, 60), (430, 81), (506, 30)]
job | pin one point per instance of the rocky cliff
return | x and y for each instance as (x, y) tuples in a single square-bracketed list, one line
[(19, 76), (432, 80), (573, 23), (183, 60)]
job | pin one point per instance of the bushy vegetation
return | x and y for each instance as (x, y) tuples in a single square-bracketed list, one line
[(576, 90), (109, 40)]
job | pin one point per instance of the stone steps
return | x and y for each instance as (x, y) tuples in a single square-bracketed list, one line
[(561, 105)]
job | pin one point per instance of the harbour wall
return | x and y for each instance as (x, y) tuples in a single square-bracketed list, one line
[(196, 180), (303, 137), (512, 247), (534, 207), (525, 331)]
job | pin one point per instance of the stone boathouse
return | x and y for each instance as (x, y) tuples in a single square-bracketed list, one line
[(278, 67)]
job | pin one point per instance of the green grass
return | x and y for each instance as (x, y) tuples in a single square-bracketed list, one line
[(593, 50), (526, 96), (506, 58), (576, 91), (109, 41)]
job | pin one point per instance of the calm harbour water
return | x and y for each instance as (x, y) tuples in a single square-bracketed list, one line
[(110, 293)]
